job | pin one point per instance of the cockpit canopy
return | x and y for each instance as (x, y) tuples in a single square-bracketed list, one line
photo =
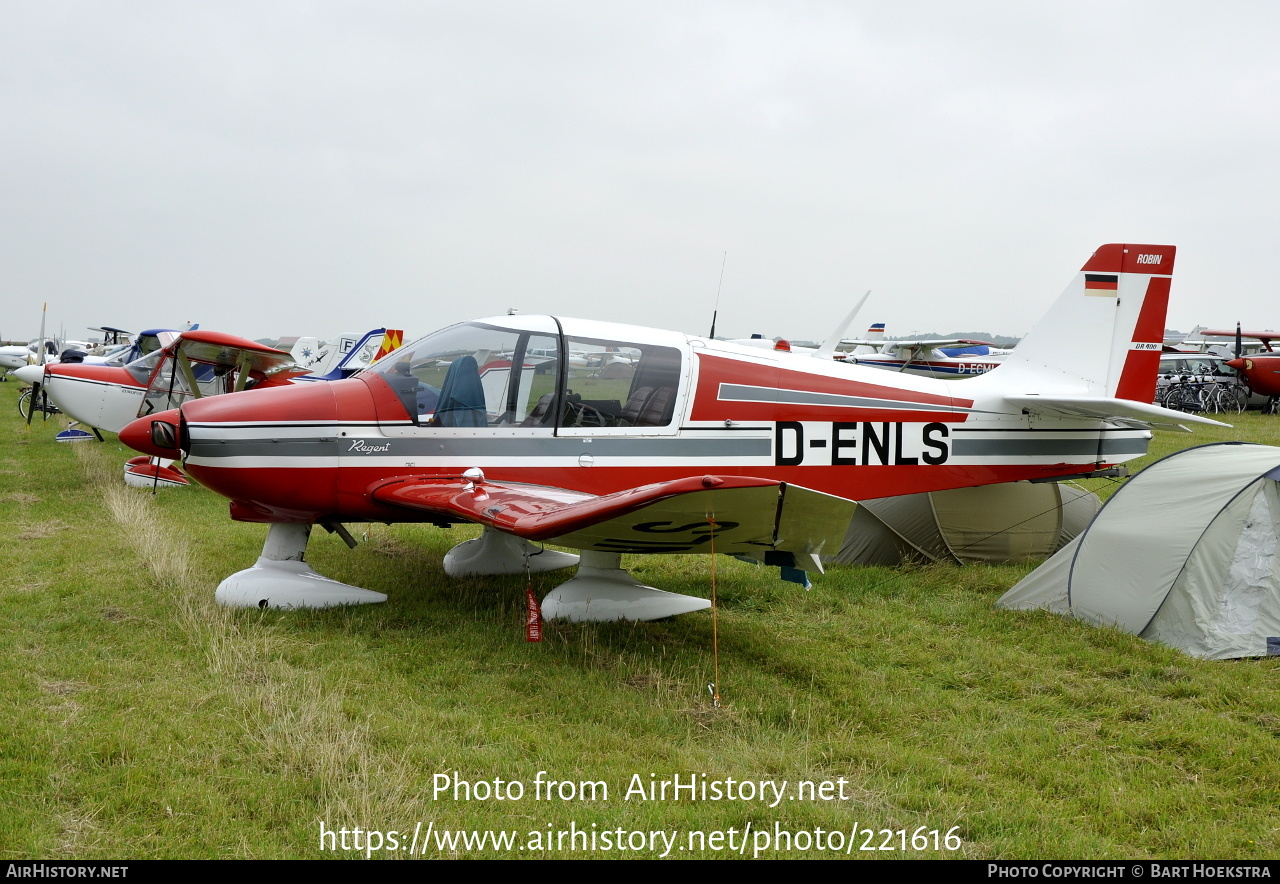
[(478, 374)]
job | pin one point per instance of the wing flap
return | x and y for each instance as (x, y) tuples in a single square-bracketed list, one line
[(811, 524)]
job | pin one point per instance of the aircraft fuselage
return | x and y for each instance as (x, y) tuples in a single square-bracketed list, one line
[(317, 453)]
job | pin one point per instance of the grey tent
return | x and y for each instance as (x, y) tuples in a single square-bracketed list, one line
[(1185, 553), (1010, 522)]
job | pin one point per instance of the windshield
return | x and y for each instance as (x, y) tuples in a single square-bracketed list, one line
[(479, 375), (474, 375), (171, 385), (142, 368)]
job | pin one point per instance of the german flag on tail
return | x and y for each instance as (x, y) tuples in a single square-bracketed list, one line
[(1101, 284)]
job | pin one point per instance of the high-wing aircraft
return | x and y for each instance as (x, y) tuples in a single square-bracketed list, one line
[(193, 365), (690, 446), (1262, 337), (1261, 372), (143, 343), (147, 342), (112, 336), (1260, 369), (872, 343), (935, 358), (932, 358)]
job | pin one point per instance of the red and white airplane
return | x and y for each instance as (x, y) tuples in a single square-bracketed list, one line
[(192, 364), (695, 446), (177, 366)]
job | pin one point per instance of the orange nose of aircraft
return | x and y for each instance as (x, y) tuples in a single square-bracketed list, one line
[(158, 435)]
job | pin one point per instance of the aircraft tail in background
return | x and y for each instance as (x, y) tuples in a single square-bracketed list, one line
[(346, 354)]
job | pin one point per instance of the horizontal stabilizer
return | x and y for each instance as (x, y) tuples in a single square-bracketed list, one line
[(1124, 411)]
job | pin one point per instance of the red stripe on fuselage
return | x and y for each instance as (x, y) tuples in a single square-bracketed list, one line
[(106, 374), (281, 494), (713, 371)]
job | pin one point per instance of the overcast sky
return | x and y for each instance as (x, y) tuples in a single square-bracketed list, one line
[(277, 168)]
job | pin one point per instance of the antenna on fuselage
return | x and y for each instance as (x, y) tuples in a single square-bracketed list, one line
[(828, 348), (716, 311)]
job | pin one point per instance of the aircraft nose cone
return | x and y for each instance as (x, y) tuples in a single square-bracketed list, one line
[(1237, 363), (30, 374), (139, 436)]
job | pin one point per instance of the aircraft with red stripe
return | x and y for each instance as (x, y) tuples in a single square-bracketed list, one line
[(1260, 370), (680, 445), (937, 358), (190, 365)]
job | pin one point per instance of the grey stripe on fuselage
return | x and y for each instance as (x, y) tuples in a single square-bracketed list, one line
[(667, 447), (741, 393), (963, 447), (453, 446)]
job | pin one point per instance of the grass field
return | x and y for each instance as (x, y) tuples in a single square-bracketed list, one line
[(140, 720)]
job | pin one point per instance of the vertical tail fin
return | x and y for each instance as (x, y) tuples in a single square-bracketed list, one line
[(1103, 335), (306, 352), (392, 340)]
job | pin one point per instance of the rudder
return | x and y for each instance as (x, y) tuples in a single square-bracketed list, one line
[(1104, 334)]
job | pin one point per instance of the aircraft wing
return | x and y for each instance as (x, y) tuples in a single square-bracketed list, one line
[(758, 518), (930, 343), (1125, 411), (1265, 336), (216, 348)]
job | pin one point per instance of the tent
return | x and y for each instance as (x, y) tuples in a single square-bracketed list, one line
[(1184, 554), (1011, 522)]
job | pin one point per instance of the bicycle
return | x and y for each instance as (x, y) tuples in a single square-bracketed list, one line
[(42, 405), (1200, 394)]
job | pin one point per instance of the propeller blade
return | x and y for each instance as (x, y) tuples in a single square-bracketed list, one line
[(44, 311), (33, 402)]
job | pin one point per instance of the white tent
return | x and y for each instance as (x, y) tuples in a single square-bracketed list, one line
[(1011, 522), (1185, 554)]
